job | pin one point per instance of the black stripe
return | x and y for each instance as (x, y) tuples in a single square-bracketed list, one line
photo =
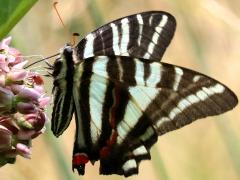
[(80, 49), (67, 110), (147, 69), (124, 98), (84, 100), (129, 69), (144, 122), (120, 34), (133, 34), (167, 76), (107, 37), (98, 45), (56, 109), (166, 35), (106, 127), (112, 68)]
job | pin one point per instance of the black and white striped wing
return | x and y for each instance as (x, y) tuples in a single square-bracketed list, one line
[(63, 108), (127, 102), (144, 35)]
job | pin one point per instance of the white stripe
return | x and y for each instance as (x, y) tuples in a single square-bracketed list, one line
[(99, 66), (151, 48), (140, 22), (183, 104), (174, 112), (200, 95), (218, 88), (143, 96), (146, 56), (141, 150), (155, 75), (155, 37), (125, 36), (116, 48), (148, 133), (88, 49), (196, 78), (161, 121), (128, 165), (140, 19), (139, 72), (178, 76), (150, 20), (130, 119), (162, 23), (193, 98), (120, 68), (97, 92)]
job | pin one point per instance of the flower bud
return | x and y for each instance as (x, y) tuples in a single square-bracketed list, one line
[(19, 65), (26, 107), (29, 94), (4, 43), (6, 101), (5, 138), (16, 76), (43, 101), (37, 120), (23, 150)]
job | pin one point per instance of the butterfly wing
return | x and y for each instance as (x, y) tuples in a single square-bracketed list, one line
[(128, 102), (144, 35), (62, 92)]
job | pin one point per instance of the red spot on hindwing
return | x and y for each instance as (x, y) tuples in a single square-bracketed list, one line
[(79, 159), (106, 150), (116, 95)]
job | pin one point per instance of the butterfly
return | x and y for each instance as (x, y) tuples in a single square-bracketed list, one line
[(122, 95)]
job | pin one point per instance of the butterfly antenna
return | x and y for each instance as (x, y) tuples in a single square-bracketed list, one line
[(44, 59), (59, 16), (74, 35)]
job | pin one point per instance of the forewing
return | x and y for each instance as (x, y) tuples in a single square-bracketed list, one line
[(62, 111), (144, 35), (62, 93)]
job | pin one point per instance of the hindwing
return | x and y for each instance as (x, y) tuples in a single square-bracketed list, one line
[(127, 102)]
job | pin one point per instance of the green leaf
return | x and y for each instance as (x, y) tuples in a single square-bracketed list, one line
[(11, 11)]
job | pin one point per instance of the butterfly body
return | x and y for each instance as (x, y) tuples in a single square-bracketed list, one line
[(123, 97)]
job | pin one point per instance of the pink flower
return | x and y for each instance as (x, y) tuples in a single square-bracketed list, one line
[(22, 104), (4, 43)]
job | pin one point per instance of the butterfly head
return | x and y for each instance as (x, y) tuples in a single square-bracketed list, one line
[(63, 63)]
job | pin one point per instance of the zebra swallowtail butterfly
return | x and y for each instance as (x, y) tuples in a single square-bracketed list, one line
[(123, 97)]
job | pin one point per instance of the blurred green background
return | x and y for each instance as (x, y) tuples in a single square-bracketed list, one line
[(207, 39)]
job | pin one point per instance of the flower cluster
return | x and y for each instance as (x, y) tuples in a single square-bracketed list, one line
[(22, 104)]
